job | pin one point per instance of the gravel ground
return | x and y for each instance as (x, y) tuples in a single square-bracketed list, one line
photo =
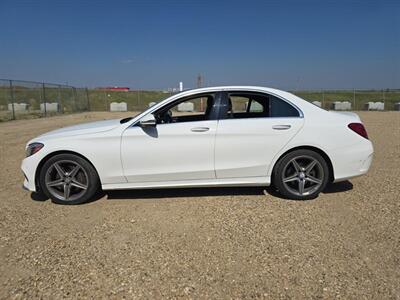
[(203, 243)]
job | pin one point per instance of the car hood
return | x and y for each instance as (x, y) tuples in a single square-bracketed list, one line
[(85, 128)]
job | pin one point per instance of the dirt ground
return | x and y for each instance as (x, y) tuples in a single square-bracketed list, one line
[(203, 243)]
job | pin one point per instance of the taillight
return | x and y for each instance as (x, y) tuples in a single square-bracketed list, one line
[(359, 129)]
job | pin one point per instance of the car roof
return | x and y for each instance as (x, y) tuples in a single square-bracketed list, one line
[(297, 101), (230, 88), (272, 91)]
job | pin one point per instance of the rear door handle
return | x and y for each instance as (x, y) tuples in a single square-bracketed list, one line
[(281, 127), (200, 129)]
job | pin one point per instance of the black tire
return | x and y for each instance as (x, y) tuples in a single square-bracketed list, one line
[(85, 182), (293, 184)]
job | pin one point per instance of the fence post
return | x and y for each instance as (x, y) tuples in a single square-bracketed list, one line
[(59, 99), (354, 99), (44, 99), (323, 98), (12, 99), (88, 99), (75, 98), (105, 100)]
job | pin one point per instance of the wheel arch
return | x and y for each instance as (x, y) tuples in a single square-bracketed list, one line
[(312, 148), (52, 154)]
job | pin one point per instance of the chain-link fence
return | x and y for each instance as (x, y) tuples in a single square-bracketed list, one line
[(100, 100), (357, 99), (27, 99)]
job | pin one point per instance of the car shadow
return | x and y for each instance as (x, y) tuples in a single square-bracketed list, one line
[(40, 197), (213, 191), (184, 192), (198, 192), (338, 187)]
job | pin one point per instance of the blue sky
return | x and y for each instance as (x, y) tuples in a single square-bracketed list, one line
[(155, 44)]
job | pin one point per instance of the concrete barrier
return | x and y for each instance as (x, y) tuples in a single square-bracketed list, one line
[(18, 106), (375, 106), (121, 106), (186, 106), (50, 107), (345, 105), (317, 103)]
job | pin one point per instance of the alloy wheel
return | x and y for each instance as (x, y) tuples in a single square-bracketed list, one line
[(303, 175), (66, 180)]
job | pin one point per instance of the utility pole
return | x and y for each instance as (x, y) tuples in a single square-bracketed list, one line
[(199, 85), (199, 81)]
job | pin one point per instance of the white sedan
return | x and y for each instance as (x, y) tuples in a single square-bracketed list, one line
[(219, 136)]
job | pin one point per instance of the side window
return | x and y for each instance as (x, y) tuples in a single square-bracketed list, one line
[(191, 109), (247, 105), (257, 105), (239, 103), (280, 108)]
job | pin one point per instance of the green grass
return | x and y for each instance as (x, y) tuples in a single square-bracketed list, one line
[(137, 100), (361, 97)]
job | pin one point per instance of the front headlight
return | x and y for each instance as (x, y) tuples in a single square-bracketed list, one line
[(33, 148)]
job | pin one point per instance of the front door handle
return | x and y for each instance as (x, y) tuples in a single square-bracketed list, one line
[(281, 127), (200, 129)]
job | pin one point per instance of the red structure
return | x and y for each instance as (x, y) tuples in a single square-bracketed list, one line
[(116, 88)]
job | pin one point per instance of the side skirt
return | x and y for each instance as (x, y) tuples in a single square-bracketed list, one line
[(247, 181)]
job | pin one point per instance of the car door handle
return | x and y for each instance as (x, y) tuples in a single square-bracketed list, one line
[(200, 129), (281, 127)]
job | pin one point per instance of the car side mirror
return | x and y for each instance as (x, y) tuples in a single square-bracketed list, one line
[(148, 121)]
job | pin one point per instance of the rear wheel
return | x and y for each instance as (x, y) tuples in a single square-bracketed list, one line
[(301, 174), (68, 179)]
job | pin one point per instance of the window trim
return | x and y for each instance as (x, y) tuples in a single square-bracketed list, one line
[(224, 103)]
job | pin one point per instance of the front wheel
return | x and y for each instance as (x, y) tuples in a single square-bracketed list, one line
[(68, 179), (301, 174)]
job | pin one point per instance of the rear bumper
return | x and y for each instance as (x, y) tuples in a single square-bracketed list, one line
[(352, 161)]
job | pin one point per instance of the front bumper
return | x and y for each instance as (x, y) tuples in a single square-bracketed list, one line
[(28, 168), (25, 185)]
